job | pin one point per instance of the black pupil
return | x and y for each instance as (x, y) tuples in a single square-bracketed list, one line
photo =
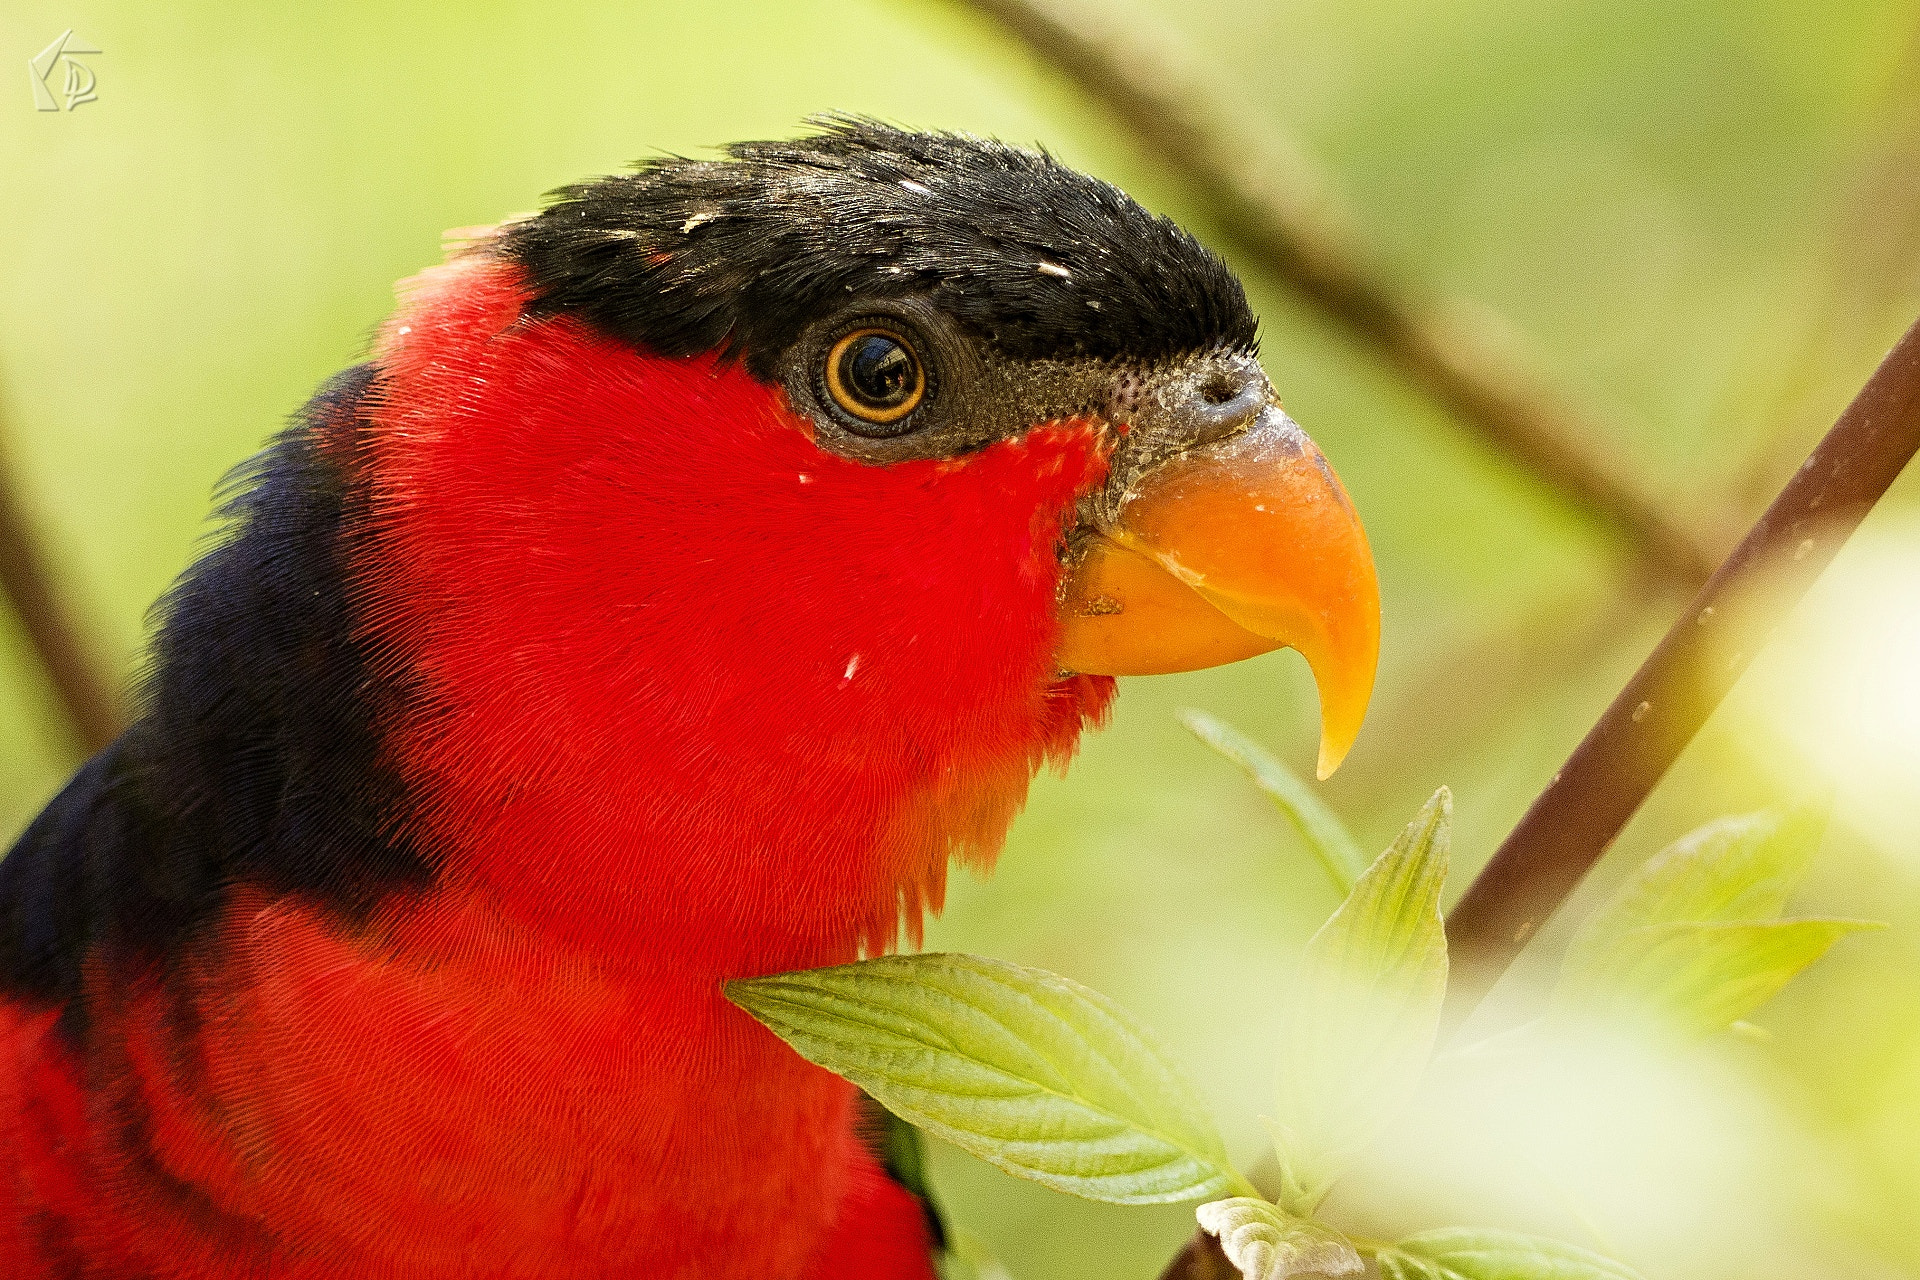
[(878, 371)]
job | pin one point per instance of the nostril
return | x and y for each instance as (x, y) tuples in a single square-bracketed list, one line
[(1221, 388), (1224, 401)]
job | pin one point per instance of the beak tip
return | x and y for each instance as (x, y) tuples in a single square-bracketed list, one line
[(1331, 757), (1343, 708), (1246, 545)]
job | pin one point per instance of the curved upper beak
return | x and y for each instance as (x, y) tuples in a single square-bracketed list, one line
[(1225, 551)]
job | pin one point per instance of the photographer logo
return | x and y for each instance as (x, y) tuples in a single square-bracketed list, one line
[(76, 81)]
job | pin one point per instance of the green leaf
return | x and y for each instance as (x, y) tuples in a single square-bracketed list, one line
[(1691, 940), (1464, 1253), (1326, 836), (1026, 1069), (1739, 868), (1698, 977), (1268, 1244), (1361, 1026)]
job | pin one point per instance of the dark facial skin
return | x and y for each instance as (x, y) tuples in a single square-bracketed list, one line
[(1025, 291), (1028, 292)]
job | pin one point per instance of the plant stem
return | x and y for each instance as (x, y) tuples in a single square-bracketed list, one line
[(1640, 735), (84, 692), (1266, 200), (1200, 1259), (1637, 739), (1327, 838)]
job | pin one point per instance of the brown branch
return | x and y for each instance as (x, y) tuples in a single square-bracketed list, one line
[(1266, 201), (1201, 1258), (1868, 274), (85, 693), (1638, 738)]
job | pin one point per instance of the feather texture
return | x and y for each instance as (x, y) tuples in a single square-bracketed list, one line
[(658, 694), (561, 663)]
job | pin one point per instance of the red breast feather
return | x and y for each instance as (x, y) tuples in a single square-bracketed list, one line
[(558, 675), (686, 698), (698, 687)]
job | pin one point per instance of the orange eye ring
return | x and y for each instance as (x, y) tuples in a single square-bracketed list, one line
[(874, 376)]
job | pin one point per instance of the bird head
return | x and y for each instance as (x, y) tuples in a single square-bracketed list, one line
[(746, 532)]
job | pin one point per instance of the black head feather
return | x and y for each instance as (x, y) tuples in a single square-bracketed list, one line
[(1032, 258), (258, 757)]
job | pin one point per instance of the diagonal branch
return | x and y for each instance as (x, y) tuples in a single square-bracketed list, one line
[(1867, 274), (1637, 739), (1652, 720), (84, 691), (1267, 202)]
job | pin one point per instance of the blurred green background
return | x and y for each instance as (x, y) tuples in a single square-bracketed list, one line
[(1704, 216)]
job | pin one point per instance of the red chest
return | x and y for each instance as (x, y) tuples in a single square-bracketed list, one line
[(435, 1098)]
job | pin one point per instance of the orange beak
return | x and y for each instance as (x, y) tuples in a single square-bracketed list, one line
[(1228, 551)]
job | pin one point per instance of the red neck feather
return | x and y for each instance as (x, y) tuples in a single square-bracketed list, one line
[(689, 685)]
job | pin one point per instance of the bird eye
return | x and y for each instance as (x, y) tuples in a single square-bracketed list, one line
[(875, 377)]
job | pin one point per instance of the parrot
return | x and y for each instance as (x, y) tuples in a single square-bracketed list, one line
[(691, 573)]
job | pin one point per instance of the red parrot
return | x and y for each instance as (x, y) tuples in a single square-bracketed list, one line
[(694, 568)]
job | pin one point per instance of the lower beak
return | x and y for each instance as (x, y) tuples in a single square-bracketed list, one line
[(1228, 551)]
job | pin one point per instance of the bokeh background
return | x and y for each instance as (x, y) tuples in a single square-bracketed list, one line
[(1702, 218)]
